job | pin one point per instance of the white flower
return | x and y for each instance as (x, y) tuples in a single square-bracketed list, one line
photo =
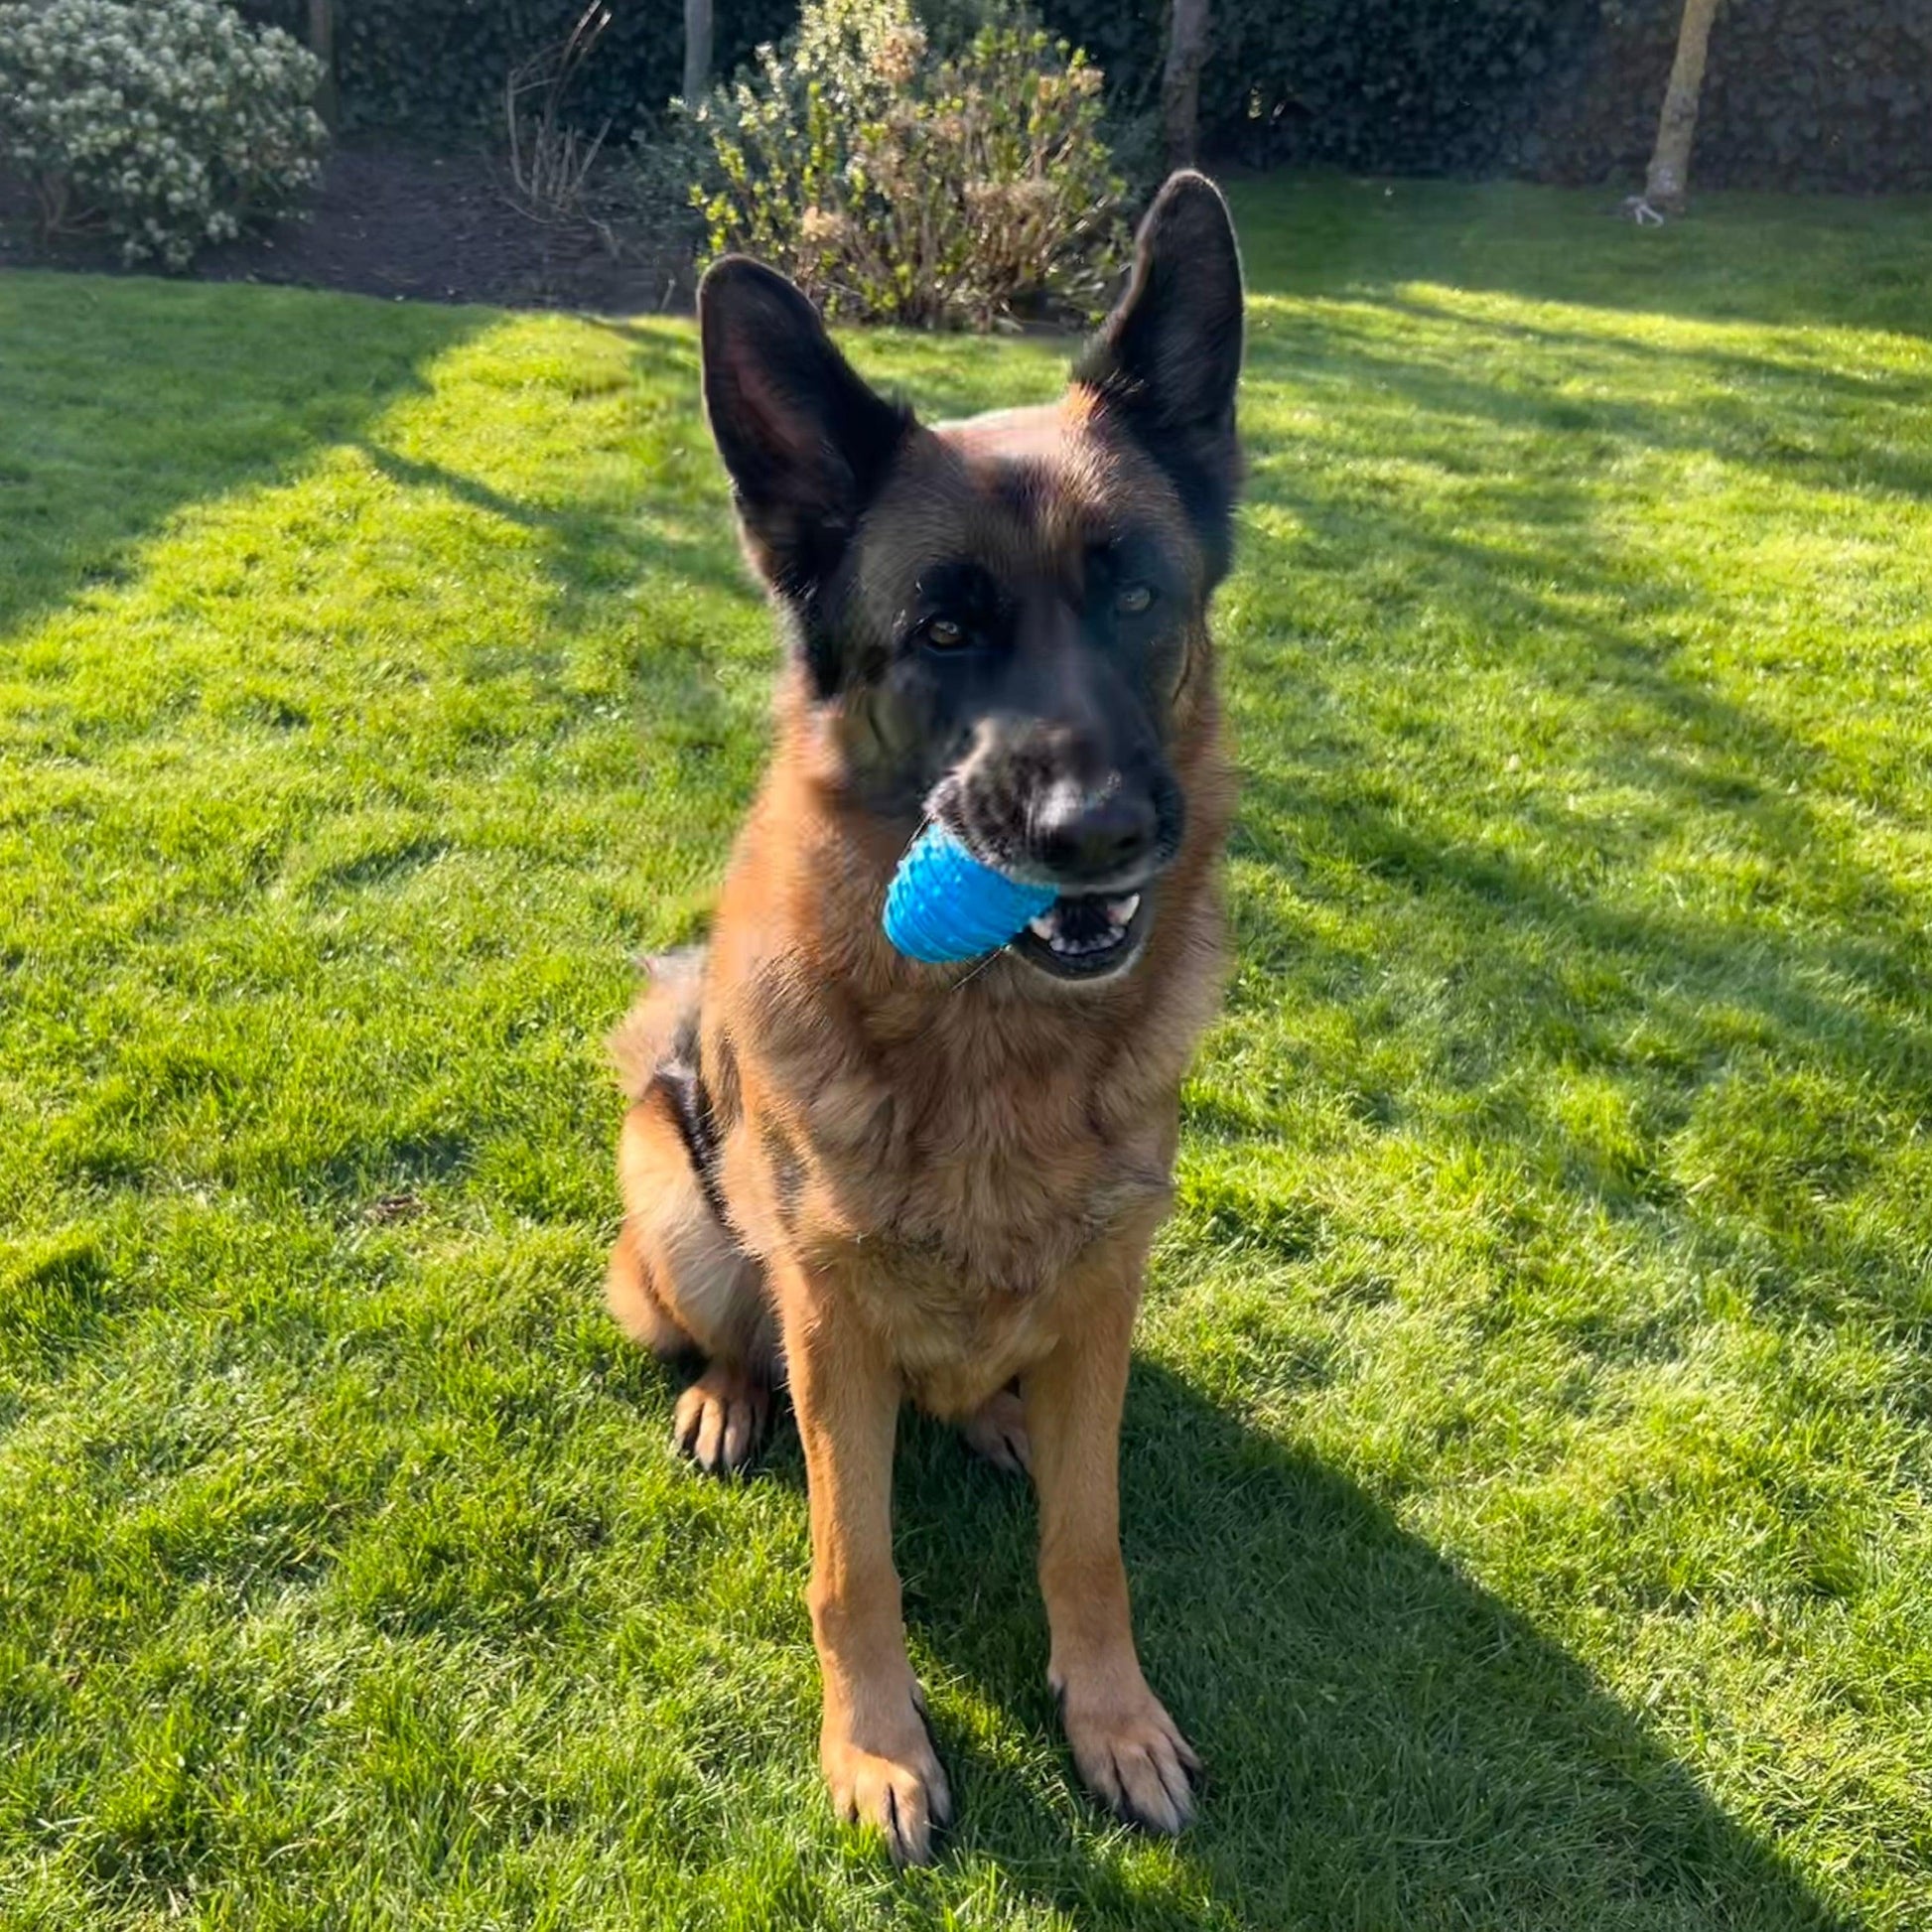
[(136, 104)]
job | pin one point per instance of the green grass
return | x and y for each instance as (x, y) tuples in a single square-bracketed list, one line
[(1529, 1452)]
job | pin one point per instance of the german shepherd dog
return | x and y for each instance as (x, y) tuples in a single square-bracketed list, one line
[(875, 1180)]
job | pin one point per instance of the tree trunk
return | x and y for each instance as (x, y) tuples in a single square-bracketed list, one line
[(1670, 162), (322, 44), (1180, 84), (697, 50)]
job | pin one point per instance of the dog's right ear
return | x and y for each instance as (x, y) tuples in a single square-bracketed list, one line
[(805, 441)]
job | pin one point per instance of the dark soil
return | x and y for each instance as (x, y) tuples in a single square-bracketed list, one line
[(392, 220)]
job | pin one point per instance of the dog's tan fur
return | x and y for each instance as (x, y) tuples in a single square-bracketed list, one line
[(940, 1182)]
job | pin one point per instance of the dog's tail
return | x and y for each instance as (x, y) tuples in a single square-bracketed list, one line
[(659, 1034), (656, 1050)]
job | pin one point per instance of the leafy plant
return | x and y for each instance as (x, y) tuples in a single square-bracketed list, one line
[(168, 123), (966, 192)]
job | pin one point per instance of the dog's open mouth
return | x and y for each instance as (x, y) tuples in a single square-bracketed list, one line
[(1085, 935)]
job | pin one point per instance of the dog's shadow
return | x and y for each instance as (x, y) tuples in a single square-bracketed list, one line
[(1387, 1744)]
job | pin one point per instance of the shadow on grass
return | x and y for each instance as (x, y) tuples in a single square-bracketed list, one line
[(1470, 377), (230, 386), (1521, 888), (691, 721), (1387, 1744), (705, 554), (1784, 260)]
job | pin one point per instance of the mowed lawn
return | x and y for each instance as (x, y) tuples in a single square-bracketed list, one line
[(1528, 1455)]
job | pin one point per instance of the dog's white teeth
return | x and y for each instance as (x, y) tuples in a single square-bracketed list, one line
[(1070, 936), (1071, 948)]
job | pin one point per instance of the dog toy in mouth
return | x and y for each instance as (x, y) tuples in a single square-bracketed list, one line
[(943, 904)]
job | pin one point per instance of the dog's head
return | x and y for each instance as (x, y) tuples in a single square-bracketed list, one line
[(1000, 618)]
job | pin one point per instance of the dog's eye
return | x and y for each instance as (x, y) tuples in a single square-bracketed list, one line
[(943, 633), (1134, 600)]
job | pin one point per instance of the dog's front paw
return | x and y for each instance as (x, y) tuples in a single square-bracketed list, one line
[(1130, 1751), (889, 1777)]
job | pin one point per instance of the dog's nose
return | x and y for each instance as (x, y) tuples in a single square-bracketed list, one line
[(1080, 836)]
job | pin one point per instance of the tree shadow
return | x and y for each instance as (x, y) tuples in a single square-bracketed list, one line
[(1813, 422), (1387, 1742), (232, 387), (586, 552), (1815, 971), (701, 549)]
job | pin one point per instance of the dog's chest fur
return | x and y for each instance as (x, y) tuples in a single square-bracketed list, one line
[(955, 1163), (952, 1175)]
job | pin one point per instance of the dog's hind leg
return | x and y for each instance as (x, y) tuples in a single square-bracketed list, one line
[(678, 1282), (634, 1301)]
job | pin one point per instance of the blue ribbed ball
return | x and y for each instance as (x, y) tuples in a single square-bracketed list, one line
[(944, 904)]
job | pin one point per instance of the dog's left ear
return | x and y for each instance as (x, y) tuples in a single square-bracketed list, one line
[(1169, 358), (805, 440)]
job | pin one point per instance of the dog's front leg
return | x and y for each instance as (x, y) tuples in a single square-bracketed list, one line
[(1128, 1750), (874, 1745)]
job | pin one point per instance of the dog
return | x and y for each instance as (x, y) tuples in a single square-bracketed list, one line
[(876, 1180)]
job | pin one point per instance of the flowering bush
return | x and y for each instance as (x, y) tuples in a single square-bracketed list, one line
[(964, 191), (167, 122)]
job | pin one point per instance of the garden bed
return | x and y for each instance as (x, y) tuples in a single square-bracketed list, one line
[(392, 220)]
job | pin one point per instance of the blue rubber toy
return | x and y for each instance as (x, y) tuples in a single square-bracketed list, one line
[(944, 904)]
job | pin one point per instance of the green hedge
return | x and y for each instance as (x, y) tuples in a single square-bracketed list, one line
[(1395, 86), (1800, 93)]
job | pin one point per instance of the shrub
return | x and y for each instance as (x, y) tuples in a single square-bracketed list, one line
[(166, 122), (968, 191)]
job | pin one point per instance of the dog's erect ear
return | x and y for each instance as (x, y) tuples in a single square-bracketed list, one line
[(1169, 358), (805, 441)]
